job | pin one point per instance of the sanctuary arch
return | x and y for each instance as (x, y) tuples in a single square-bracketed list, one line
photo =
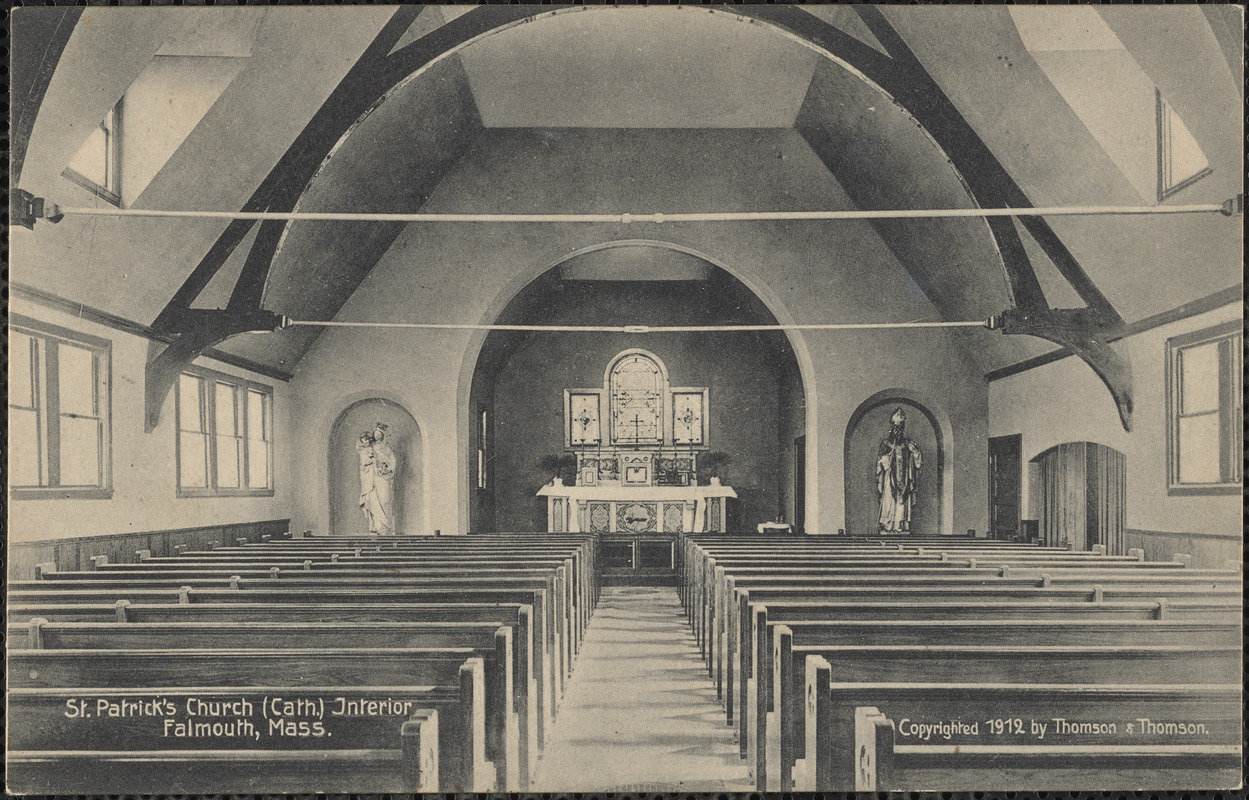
[(513, 401)]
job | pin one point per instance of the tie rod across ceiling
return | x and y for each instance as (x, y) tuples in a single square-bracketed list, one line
[(25, 209)]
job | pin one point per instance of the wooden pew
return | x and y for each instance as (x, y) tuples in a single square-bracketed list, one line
[(532, 705), (49, 721), (721, 620), (498, 549), (947, 603), (240, 575), (840, 760), (726, 621), (712, 589), (550, 617), (506, 694), (570, 600), (1190, 601), (938, 663), (762, 728)]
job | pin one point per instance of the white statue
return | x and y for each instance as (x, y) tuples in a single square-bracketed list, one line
[(378, 464), (898, 463)]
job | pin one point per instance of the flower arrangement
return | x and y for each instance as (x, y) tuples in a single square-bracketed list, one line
[(712, 465), (562, 466)]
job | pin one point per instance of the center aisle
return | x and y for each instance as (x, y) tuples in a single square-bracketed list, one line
[(640, 713)]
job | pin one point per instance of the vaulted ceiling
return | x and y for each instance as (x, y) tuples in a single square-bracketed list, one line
[(455, 80)]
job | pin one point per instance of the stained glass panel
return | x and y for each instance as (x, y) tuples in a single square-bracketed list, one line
[(637, 390)]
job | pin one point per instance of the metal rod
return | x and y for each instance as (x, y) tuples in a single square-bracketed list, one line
[(627, 218), (639, 328)]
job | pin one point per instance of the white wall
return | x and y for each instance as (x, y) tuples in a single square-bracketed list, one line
[(805, 272), (1066, 402), (144, 478)]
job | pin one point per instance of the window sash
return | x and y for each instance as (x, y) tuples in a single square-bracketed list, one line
[(60, 445), (1204, 416), (259, 447), (226, 424)]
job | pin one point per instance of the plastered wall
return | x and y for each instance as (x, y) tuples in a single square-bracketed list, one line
[(144, 476), (1066, 402), (803, 272)]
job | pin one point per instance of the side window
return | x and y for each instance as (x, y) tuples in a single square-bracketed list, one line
[(483, 449), (1204, 411), (59, 428), (225, 436)]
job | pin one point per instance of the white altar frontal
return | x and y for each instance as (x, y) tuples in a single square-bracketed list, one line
[(635, 509)]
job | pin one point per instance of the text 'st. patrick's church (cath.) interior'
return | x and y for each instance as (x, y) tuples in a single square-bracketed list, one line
[(559, 398)]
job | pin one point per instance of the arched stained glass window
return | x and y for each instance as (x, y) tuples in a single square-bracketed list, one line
[(637, 386)]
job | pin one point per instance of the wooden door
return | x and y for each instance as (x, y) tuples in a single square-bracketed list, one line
[(1005, 485)]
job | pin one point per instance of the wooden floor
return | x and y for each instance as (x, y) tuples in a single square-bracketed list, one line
[(640, 713)]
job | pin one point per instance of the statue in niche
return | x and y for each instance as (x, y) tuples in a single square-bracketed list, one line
[(897, 475), (378, 464)]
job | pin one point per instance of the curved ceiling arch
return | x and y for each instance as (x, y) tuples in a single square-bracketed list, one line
[(895, 75), (366, 130)]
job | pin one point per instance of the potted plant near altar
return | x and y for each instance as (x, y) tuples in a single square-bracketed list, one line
[(711, 467), (562, 468)]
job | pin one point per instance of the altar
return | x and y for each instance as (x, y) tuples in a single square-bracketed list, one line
[(640, 449), (635, 509)]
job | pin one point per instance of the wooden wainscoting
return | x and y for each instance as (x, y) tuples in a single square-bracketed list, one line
[(76, 553), (1209, 550)]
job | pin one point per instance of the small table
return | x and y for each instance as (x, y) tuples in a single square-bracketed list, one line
[(774, 527)]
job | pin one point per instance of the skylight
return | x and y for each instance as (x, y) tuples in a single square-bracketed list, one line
[(1113, 97), (95, 166), (1180, 160)]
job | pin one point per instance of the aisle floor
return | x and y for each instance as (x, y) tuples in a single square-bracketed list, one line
[(640, 712)]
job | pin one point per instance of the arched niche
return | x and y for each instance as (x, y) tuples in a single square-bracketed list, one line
[(404, 435), (932, 510)]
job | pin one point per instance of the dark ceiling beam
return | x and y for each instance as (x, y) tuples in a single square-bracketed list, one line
[(39, 39), (1085, 331), (375, 75)]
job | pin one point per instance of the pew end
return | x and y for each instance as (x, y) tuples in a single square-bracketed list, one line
[(419, 745)]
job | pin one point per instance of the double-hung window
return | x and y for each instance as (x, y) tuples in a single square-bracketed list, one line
[(225, 435), (59, 434), (1205, 425)]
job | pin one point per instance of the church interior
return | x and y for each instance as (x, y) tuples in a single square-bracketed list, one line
[(643, 352)]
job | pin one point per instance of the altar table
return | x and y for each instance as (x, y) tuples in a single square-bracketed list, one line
[(635, 509)]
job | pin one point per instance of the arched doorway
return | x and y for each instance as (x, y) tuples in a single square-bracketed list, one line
[(867, 427), (404, 436), (1083, 496), (756, 407)]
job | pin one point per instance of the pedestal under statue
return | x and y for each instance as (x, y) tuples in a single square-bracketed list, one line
[(897, 476), (378, 464)]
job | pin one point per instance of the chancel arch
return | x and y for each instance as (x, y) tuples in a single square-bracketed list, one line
[(932, 434), (406, 486), (756, 404)]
